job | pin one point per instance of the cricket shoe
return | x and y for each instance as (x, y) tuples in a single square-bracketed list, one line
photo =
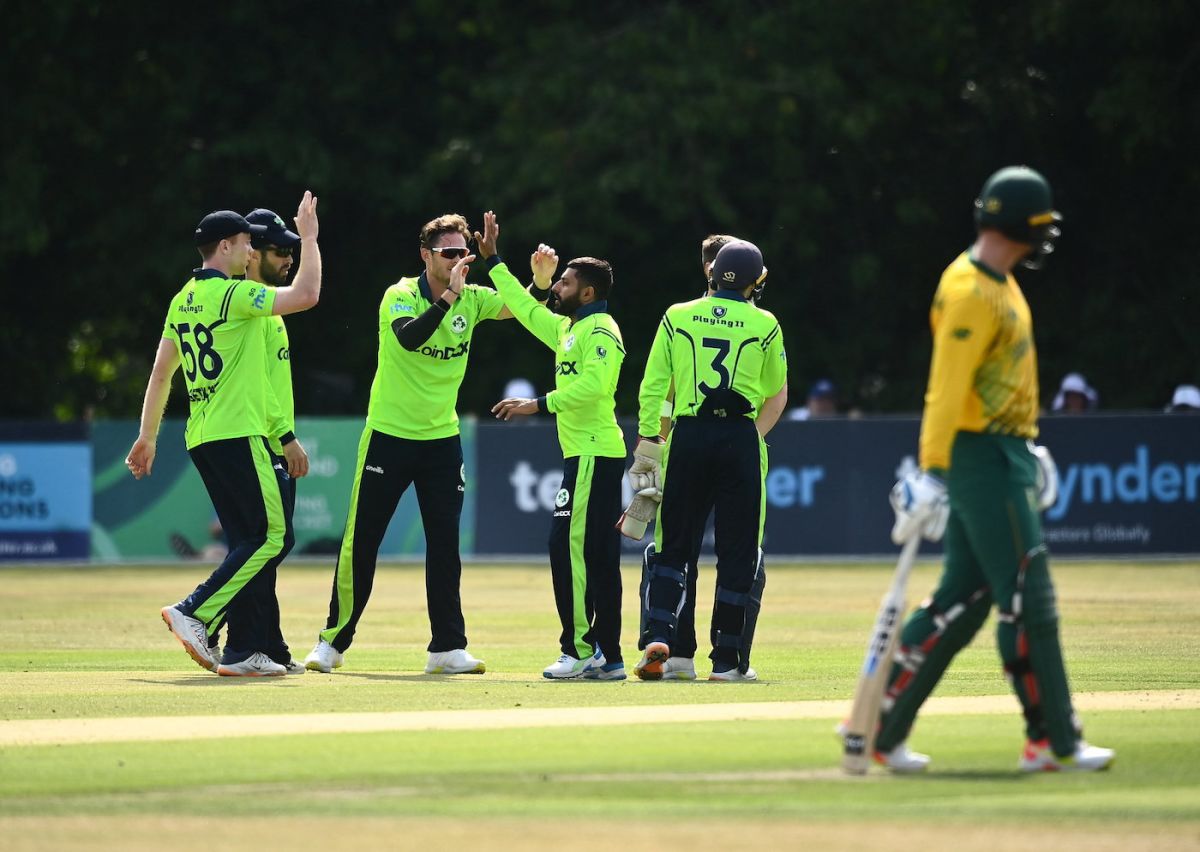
[(1039, 757), (650, 666), (606, 671), (903, 761), (565, 668), (324, 658), (257, 664), (293, 667), (191, 634), (733, 675), (679, 668), (457, 661)]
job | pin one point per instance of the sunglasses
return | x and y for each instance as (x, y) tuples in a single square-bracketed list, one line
[(280, 252), (451, 252)]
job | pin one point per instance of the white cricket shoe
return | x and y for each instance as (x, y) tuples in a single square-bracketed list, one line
[(192, 635), (607, 671), (324, 658), (457, 661), (293, 667), (650, 666), (733, 675), (565, 668), (679, 668), (1039, 757), (902, 760), (256, 665)]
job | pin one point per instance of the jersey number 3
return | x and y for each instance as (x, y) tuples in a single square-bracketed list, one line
[(204, 358), (718, 364)]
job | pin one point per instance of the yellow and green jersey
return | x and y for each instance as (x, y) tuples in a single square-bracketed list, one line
[(983, 376), (215, 324), (588, 353), (414, 393), (720, 342), (282, 415)]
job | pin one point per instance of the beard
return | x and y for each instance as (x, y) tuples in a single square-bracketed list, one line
[(568, 306)]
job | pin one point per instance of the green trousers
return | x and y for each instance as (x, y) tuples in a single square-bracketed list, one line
[(994, 554)]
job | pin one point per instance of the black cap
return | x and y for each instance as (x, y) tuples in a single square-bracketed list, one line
[(276, 234), (224, 224), (738, 265)]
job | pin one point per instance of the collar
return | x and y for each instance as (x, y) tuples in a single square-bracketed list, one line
[(986, 270), (598, 307), (732, 295), (205, 274), (423, 286)]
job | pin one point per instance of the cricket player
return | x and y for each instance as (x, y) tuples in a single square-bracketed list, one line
[(585, 547), (214, 327), (726, 359), (426, 325), (983, 483), (269, 261)]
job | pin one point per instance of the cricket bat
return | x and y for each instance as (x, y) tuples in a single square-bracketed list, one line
[(872, 680)]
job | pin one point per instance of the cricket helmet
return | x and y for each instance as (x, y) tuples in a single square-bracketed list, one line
[(1016, 201), (738, 265)]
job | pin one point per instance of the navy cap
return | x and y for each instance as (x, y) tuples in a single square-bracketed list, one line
[(738, 265), (277, 233), (224, 224), (822, 387)]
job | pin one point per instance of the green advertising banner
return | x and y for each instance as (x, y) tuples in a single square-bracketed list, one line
[(168, 514)]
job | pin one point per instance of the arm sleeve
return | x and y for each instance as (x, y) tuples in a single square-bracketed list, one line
[(963, 329), (537, 319), (774, 374), (245, 299), (656, 381), (597, 373), (412, 332)]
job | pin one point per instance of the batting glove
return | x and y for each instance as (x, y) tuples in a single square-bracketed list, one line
[(921, 506), (645, 476), (637, 517), (1047, 476)]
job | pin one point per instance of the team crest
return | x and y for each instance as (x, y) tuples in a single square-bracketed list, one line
[(719, 311), (568, 343), (459, 323), (562, 498), (191, 296), (601, 352)]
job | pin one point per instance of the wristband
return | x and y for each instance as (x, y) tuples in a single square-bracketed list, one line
[(443, 304), (541, 404), (286, 438)]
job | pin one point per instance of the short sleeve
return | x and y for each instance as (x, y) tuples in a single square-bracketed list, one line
[(398, 303), (489, 303), (246, 299)]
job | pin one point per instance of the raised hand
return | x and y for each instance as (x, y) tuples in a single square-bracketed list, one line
[(543, 263), (486, 242), (306, 217), (458, 277)]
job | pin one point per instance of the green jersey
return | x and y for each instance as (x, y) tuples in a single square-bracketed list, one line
[(282, 415), (414, 393), (588, 353), (719, 342), (215, 324)]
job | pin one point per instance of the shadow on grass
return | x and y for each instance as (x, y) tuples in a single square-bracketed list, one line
[(213, 680), (988, 775), (417, 677)]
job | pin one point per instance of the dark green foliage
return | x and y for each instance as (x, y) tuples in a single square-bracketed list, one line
[(847, 139)]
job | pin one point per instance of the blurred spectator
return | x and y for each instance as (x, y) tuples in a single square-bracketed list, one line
[(821, 402), (1075, 395), (1185, 398), (519, 388)]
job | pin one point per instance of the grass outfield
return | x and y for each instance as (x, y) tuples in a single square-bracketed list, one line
[(87, 644)]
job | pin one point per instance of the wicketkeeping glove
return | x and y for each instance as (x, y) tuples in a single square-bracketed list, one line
[(921, 506), (637, 517), (1047, 476), (645, 476)]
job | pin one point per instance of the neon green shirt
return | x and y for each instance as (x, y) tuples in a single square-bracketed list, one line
[(588, 354), (282, 413), (414, 393), (717, 342), (214, 323)]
